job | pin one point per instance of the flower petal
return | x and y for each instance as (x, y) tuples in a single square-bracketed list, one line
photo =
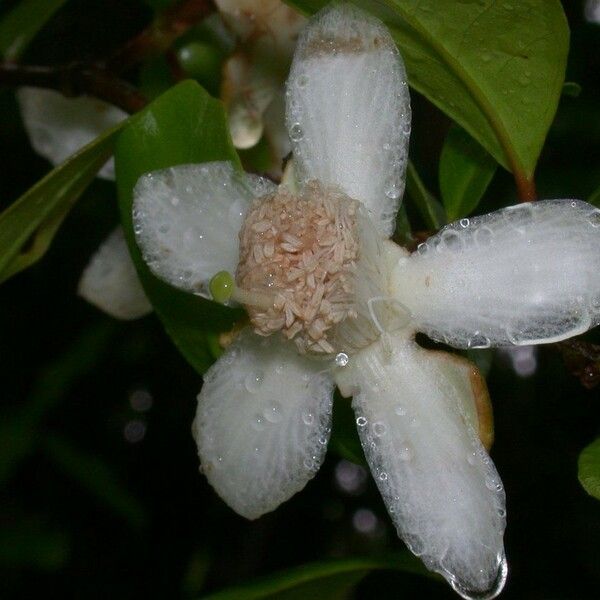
[(439, 485), (526, 274), (110, 281), (263, 423), (348, 110), (59, 126), (187, 220)]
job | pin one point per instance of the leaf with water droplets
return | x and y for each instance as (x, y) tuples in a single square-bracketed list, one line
[(184, 125), (465, 172), (495, 68), (589, 469)]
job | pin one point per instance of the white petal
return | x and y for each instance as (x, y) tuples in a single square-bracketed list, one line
[(59, 126), (187, 220), (348, 111), (110, 281), (439, 485), (263, 423), (526, 274)]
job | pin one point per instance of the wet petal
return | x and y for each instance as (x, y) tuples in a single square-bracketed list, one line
[(110, 281), (439, 485), (263, 423), (348, 110), (187, 220), (526, 274), (59, 126)]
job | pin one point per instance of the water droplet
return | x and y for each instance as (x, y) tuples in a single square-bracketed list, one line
[(452, 240), (302, 81), (484, 236), (322, 440), (258, 422), (387, 146), (472, 458), (379, 429), (296, 132), (400, 411), (253, 381), (309, 463), (422, 248), (393, 191), (406, 128), (308, 418), (464, 222), (414, 422), (594, 218), (361, 421), (341, 360), (175, 200), (383, 476), (273, 414), (494, 589), (479, 341), (405, 453)]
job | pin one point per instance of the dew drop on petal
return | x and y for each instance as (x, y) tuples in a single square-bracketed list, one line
[(361, 421), (253, 381), (379, 429), (308, 418), (273, 413), (341, 360), (296, 132)]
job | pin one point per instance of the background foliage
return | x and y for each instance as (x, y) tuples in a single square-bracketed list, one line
[(100, 495)]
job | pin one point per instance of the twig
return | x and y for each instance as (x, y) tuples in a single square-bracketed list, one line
[(76, 79), (159, 35)]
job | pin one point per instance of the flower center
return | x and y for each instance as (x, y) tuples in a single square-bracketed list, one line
[(297, 260)]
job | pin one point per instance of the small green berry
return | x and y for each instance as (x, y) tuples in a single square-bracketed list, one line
[(221, 287)]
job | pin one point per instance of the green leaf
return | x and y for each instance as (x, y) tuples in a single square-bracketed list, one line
[(327, 580), (595, 198), (96, 477), (30, 543), (465, 172), (19, 432), (28, 226), (495, 68), (589, 469), (431, 210), (344, 437), (21, 25), (184, 125)]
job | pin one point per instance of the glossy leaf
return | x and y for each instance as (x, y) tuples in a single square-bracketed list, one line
[(324, 580), (28, 226), (184, 125), (465, 172), (94, 475), (432, 212), (595, 197), (19, 431), (21, 25), (495, 68), (589, 469)]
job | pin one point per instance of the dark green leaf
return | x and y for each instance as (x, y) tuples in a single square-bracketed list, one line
[(595, 198), (495, 68), (184, 125), (428, 206), (589, 469), (19, 432), (21, 25), (466, 170), (30, 543), (28, 226), (327, 580), (344, 437), (96, 477)]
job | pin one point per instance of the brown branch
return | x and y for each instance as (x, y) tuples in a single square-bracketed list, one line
[(160, 35), (76, 79), (525, 188)]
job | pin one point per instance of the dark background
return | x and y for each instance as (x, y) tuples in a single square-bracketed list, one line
[(100, 493)]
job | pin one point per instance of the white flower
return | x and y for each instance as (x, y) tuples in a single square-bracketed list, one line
[(57, 128), (332, 301)]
